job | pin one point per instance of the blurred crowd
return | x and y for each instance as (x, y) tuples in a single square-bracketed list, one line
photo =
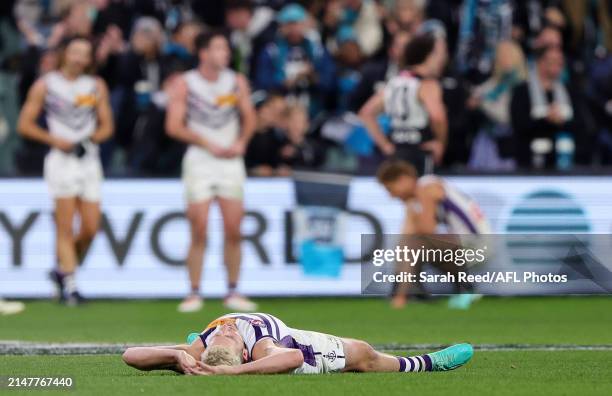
[(526, 80)]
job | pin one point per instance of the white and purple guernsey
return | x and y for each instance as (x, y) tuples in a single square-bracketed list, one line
[(70, 106), (212, 110), (318, 349), (460, 213)]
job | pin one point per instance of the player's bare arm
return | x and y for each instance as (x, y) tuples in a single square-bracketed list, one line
[(430, 94), (27, 125), (179, 358), (268, 358), (105, 126), (247, 116), (368, 113), (428, 197)]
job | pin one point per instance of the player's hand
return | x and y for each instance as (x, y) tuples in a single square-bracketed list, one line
[(62, 144), (205, 369), (554, 115), (215, 150), (236, 150), (186, 363), (388, 148), (288, 151), (436, 148)]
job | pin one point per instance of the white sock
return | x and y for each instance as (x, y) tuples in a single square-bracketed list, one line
[(70, 283)]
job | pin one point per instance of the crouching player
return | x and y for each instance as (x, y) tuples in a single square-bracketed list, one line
[(430, 201), (241, 343)]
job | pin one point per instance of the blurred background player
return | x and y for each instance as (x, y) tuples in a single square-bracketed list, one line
[(78, 118), (413, 101), (210, 109), (430, 202)]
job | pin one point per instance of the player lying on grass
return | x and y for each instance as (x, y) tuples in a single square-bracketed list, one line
[(241, 343)]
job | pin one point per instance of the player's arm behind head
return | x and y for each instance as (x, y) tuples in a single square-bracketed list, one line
[(267, 358), (159, 358)]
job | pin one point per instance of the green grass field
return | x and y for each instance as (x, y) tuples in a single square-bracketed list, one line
[(537, 321)]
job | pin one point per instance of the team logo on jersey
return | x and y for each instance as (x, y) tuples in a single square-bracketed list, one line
[(257, 323), (85, 100), (226, 100), (330, 356), (221, 322)]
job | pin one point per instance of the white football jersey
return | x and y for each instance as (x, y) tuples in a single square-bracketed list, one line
[(460, 213), (212, 108), (70, 106), (256, 326)]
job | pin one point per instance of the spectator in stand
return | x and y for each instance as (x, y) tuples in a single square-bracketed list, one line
[(349, 60), (180, 52), (493, 148), (251, 29), (360, 15), (541, 109), (375, 73), (141, 104), (296, 63), (406, 16), (600, 98), (263, 153), (549, 36), (300, 150), (484, 23)]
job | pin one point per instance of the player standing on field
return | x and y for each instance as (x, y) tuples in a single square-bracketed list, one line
[(210, 109), (413, 101), (78, 118)]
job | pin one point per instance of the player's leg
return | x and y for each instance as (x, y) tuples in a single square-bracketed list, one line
[(402, 291), (90, 215), (197, 214), (63, 276), (232, 211), (362, 357), (464, 291)]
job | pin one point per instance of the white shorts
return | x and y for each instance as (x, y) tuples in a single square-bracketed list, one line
[(206, 177), (68, 176), (328, 352)]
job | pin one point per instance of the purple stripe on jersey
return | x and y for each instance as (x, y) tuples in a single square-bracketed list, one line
[(307, 351), (258, 333), (411, 364), (402, 363), (268, 325), (205, 335), (451, 207), (276, 326)]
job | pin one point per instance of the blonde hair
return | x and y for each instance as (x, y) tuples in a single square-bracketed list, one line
[(218, 355), (512, 49)]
